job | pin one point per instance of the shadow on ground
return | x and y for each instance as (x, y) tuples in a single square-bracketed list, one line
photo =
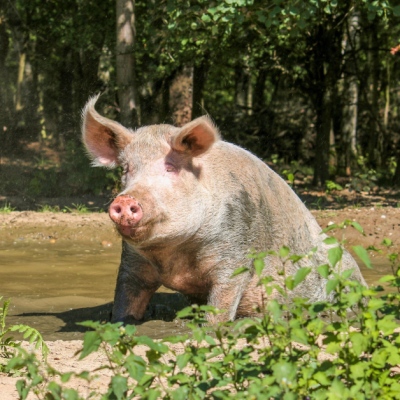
[(163, 307)]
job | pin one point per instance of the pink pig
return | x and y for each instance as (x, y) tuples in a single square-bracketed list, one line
[(191, 209)]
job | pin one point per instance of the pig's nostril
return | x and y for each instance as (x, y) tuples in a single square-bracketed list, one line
[(117, 209), (134, 209)]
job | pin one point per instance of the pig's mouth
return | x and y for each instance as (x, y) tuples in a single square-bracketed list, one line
[(133, 232), (138, 232)]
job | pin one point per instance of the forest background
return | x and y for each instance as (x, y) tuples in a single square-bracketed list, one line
[(310, 86)]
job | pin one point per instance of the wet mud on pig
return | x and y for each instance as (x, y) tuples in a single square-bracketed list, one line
[(191, 209)]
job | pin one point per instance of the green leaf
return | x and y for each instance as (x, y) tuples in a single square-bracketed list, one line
[(259, 266), (330, 228), (119, 386), (335, 255), (322, 379), (66, 377), (338, 390), (358, 370), (301, 274), (239, 271), (331, 285), (387, 278), (330, 240), (359, 343), (396, 11), (136, 366), (182, 360), (358, 227), (284, 251), (91, 343), (284, 372), (299, 335), (324, 270), (387, 242), (387, 325), (184, 313), (379, 358), (363, 255)]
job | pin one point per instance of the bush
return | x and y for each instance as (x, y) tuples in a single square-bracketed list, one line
[(347, 348), (75, 176)]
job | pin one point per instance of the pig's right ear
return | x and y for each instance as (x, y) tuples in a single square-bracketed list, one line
[(195, 137), (103, 138)]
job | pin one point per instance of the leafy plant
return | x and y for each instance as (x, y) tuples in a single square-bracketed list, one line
[(8, 346), (364, 181), (331, 186), (48, 208), (6, 208), (79, 208)]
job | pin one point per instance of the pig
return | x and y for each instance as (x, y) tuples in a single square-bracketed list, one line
[(192, 208)]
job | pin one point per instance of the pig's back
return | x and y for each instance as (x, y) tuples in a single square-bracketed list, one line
[(275, 207)]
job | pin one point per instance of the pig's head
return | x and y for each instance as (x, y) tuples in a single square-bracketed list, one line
[(164, 197)]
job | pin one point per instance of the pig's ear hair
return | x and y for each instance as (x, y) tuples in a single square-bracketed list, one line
[(196, 137), (103, 138)]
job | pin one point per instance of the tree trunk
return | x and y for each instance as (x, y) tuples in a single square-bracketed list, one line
[(243, 98), (125, 63), (375, 134), (258, 93), (323, 130), (199, 80), (180, 93), (5, 101), (66, 132), (20, 81), (323, 75), (348, 153)]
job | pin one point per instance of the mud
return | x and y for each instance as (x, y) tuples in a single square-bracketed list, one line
[(60, 269)]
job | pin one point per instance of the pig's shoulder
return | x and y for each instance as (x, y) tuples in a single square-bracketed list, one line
[(236, 157)]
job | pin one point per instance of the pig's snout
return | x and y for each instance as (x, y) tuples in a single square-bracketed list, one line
[(125, 211)]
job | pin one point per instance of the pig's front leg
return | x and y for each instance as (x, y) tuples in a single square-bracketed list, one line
[(226, 295), (136, 283)]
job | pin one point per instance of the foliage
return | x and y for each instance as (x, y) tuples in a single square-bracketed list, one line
[(48, 208), (364, 181), (331, 186), (346, 348), (268, 67), (74, 176), (79, 208), (9, 347), (6, 208)]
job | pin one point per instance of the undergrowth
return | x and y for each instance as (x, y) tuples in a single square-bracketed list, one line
[(10, 347), (346, 348)]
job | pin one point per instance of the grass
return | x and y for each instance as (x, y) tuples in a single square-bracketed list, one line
[(6, 209), (48, 208), (79, 208)]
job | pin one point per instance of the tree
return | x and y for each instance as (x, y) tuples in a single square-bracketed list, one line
[(126, 63)]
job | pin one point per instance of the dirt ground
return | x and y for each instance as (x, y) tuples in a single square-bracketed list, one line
[(379, 216)]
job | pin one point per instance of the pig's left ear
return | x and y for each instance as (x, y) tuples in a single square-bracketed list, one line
[(196, 137)]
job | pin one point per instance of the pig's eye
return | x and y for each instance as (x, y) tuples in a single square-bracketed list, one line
[(170, 168)]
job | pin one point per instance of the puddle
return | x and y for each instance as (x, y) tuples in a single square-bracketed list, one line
[(55, 283)]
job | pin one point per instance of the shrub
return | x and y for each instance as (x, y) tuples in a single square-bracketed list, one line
[(8, 346)]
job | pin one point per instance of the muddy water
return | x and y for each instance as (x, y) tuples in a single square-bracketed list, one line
[(57, 277), (55, 282)]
